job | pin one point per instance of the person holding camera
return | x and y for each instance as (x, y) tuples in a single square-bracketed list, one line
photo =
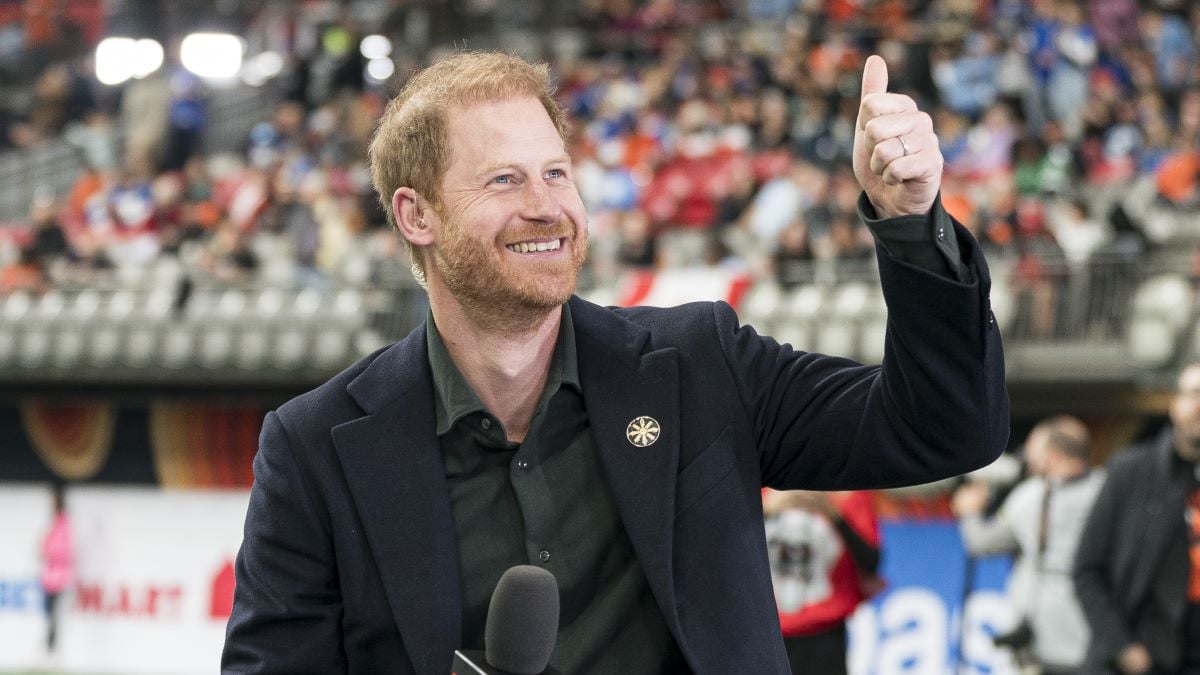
[(1041, 520)]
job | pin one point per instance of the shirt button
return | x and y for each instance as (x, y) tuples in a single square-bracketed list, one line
[(486, 423), (522, 464), (544, 556)]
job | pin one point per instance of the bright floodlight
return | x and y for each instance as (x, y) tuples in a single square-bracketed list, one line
[(212, 55), (375, 47), (380, 70), (149, 57), (115, 60)]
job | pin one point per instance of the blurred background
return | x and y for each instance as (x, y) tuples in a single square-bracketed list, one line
[(188, 238)]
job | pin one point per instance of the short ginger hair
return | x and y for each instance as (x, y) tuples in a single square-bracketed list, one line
[(410, 147)]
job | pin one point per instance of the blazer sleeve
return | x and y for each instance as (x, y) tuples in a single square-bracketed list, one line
[(1093, 578), (287, 608), (936, 407)]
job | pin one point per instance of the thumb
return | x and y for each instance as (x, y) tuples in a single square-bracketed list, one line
[(875, 76)]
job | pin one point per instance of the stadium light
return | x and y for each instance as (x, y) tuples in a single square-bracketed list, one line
[(379, 70), (121, 58), (216, 56), (149, 55), (375, 47)]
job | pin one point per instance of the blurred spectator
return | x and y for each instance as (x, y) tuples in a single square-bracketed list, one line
[(793, 257), (637, 249), (824, 551), (1041, 520), (967, 81), (24, 274), (849, 240), (741, 127), (1077, 234), (228, 258), (1137, 573), (1172, 45), (58, 566)]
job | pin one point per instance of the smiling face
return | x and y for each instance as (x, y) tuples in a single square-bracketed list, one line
[(510, 235)]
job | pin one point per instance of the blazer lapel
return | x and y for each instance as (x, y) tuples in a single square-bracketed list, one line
[(394, 468), (620, 385)]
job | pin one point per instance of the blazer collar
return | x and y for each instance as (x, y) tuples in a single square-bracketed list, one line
[(397, 481)]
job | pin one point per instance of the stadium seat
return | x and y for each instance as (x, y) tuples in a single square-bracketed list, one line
[(141, 346), (104, 345), (805, 302), (231, 305), (331, 348), (851, 300), (178, 344), (290, 345), (157, 304), (795, 332), (121, 305), (70, 343), (762, 305), (34, 347), (348, 307), (306, 303), (837, 336), (269, 304), (50, 306), (16, 306), (367, 341), (871, 336), (216, 346), (253, 345), (86, 305), (1151, 341), (1158, 316)]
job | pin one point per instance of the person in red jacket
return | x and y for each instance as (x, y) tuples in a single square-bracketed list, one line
[(824, 551)]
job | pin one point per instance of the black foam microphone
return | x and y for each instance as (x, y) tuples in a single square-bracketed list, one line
[(522, 625)]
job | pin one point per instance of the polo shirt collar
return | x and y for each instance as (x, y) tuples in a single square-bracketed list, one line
[(453, 396)]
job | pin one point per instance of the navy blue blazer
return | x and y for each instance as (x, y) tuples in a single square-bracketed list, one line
[(349, 562)]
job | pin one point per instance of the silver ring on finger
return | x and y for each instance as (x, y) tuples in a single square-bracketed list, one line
[(903, 145)]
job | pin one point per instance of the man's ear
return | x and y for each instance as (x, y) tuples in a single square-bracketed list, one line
[(411, 214)]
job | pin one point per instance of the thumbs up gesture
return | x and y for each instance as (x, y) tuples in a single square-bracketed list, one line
[(897, 160)]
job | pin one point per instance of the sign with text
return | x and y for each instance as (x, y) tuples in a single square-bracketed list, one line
[(154, 579), (154, 587), (916, 627), (24, 518)]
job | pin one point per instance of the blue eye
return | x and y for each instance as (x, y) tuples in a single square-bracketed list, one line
[(505, 179), (556, 173)]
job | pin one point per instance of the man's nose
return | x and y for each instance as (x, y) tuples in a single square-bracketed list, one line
[(540, 203)]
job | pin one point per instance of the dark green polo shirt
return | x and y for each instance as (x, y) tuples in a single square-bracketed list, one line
[(545, 501)]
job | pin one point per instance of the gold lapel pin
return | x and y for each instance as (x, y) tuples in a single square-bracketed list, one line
[(643, 431)]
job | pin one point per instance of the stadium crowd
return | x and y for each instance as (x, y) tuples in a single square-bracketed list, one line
[(704, 133)]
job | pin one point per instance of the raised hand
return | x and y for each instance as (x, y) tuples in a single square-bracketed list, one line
[(897, 160)]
